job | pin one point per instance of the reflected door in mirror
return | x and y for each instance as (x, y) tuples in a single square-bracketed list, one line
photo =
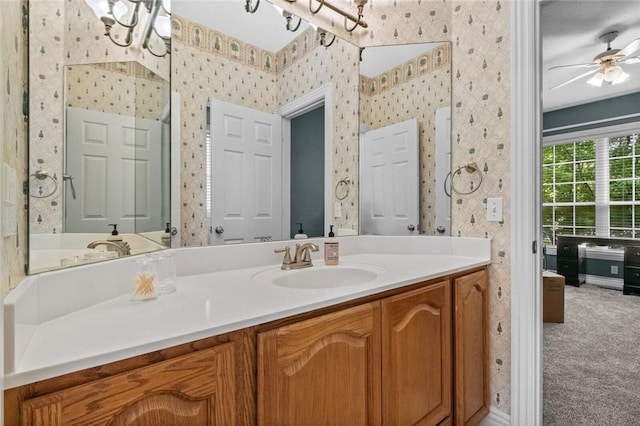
[(116, 170), (389, 182)]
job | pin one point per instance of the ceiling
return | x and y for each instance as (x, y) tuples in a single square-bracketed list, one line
[(570, 35), (230, 17)]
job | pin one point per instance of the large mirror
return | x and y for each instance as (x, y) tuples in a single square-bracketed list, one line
[(317, 91), (99, 140), (405, 110), (222, 74)]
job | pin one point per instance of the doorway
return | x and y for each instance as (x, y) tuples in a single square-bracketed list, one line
[(307, 173), (320, 98)]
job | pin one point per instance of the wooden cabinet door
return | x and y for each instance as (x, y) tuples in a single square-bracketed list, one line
[(416, 356), (322, 371), (471, 348), (191, 390)]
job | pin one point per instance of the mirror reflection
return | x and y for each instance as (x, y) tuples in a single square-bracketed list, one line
[(232, 63), (282, 118), (405, 110), (99, 148), (302, 65)]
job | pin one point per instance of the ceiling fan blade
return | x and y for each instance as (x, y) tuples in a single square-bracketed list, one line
[(590, 64), (575, 78), (631, 60), (629, 48)]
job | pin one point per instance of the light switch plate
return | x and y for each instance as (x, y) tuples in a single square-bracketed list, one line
[(494, 209), (337, 209)]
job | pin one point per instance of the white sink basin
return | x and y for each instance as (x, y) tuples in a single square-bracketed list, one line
[(321, 276)]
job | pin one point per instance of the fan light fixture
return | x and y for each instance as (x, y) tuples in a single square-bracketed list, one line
[(611, 74), (126, 14), (605, 67)]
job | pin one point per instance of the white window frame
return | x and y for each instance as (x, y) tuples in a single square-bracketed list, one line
[(601, 136)]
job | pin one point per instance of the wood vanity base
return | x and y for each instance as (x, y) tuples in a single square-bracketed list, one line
[(409, 356)]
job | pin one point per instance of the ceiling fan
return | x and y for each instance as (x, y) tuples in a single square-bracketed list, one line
[(606, 64)]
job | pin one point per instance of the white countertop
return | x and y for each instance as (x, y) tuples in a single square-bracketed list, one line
[(205, 304)]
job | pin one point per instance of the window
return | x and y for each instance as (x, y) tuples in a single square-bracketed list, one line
[(592, 187)]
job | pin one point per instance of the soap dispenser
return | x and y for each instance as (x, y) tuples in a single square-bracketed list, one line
[(115, 237), (300, 235), (114, 234)]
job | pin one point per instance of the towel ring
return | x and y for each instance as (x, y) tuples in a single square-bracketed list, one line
[(42, 175), (342, 182), (469, 168)]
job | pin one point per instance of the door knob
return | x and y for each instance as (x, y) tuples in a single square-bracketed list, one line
[(411, 227), (219, 230)]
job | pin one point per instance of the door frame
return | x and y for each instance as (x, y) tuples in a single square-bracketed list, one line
[(526, 231), (303, 104), (174, 191)]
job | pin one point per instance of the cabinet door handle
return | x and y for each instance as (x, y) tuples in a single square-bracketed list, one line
[(565, 248), (566, 267), (636, 274)]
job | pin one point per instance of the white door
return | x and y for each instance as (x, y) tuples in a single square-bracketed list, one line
[(389, 180), (443, 167), (246, 174), (115, 164)]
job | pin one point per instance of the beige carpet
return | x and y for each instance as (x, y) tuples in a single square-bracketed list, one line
[(592, 360)]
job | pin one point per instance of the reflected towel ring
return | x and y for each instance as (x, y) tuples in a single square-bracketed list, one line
[(343, 183), (469, 168), (42, 175)]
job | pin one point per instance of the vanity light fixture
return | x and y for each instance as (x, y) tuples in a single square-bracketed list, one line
[(249, 7), (356, 19), (126, 14), (289, 17), (323, 36)]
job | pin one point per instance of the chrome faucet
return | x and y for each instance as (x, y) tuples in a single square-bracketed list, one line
[(301, 259), (122, 247)]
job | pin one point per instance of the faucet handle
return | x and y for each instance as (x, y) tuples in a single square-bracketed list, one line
[(306, 248), (287, 255)]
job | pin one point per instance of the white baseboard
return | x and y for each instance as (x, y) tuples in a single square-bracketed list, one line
[(496, 418)]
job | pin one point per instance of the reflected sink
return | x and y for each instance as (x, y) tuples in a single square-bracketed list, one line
[(317, 277)]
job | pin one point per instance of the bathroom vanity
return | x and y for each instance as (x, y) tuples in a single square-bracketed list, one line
[(251, 345)]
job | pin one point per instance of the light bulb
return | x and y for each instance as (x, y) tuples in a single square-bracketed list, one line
[(166, 5), (612, 73), (162, 26), (597, 79), (119, 10), (623, 77), (99, 7)]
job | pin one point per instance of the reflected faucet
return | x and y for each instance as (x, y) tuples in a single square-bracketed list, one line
[(122, 247)]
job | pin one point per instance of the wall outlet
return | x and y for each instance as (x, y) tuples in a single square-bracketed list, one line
[(614, 269), (337, 209), (494, 209)]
